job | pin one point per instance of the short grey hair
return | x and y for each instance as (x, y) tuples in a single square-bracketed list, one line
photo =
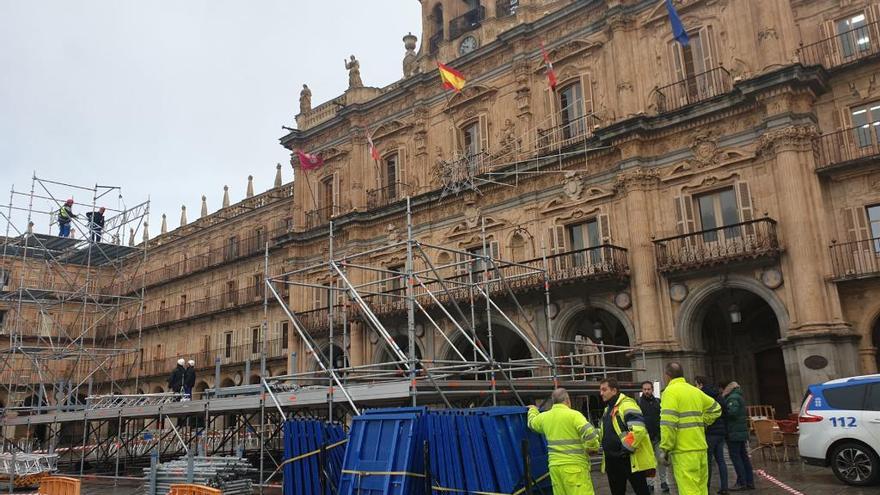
[(560, 396)]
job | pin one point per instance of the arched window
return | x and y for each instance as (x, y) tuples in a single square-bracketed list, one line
[(518, 247), (571, 110)]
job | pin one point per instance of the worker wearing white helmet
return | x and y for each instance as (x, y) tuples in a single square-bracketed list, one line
[(175, 381), (189, 380)]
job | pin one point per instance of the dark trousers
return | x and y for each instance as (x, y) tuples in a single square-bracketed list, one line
[(619, 472), (716, 452), (739, 455)]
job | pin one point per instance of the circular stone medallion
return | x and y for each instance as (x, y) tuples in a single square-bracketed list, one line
[(816, 362), (678, 292), (623, 300)]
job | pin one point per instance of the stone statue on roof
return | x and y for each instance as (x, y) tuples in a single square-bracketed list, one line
[(354, 73), (305, 99)]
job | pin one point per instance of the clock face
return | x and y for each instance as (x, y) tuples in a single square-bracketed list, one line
[(468, 45)]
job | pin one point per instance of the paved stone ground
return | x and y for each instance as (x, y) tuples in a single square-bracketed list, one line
[(808, 480)]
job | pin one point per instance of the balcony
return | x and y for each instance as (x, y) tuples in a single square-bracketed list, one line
[(574, 132), (386, 195), (242, 248), (320, 216), (193, 309), (856, 260), (591, 265), (741, 242), (205, 360), (851, 146), (694, 89), (467, 22), (844, 48)]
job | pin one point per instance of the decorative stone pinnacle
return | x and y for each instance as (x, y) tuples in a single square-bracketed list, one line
[(204, 206), (250, 187), (182, 215), (225, 196), (278, 175), (164, 228)]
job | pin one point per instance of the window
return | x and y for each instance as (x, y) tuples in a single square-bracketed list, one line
[(2, 318), (477, 266), (285, 334), (394, 283), (691, 65), (259, 285), (141, 358), (231, 293), (259, 238), (255, 340), (228, 344), (717, 209), (326, 201), (159, 354), (873, 402), (854, 36), (206, 343), (183, 305), (471, 139), (583, 236), (874, 223), (850, 398), (571, 110), (390, 177), (506, 8), (866, 121), (5, 277), (288, 224), (285, 287), (232, 247)]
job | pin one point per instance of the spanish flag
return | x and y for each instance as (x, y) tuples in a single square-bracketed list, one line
[(452, 79)]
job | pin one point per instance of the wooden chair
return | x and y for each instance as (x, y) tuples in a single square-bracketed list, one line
[(768, 438), (753, 412)]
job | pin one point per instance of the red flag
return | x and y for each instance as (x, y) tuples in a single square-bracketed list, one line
[(373, 151), (551, 74), (309, 161), (452, 79)]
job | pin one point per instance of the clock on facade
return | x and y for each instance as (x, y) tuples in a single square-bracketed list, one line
[(468, 44)]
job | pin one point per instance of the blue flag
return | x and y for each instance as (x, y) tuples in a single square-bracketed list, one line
[(677, 29)]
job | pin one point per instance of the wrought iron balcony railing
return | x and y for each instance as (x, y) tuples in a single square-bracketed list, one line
[(386, 195), (730, 243), (467, 22), (694, 89), (843, 48), (848, 145), (856, 259), (320, 216)]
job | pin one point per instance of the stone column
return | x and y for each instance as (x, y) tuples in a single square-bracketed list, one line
[(624, 85), (644, 284), (816, 326), (356, 334)]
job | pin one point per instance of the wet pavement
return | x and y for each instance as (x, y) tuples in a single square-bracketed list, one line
[(808, 480)]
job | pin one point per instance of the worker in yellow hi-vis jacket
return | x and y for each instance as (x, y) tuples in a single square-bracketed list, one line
[(570, 439), (685, 412)]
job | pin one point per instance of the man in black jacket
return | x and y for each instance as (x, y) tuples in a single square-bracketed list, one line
[(716, 433), (189, 380), (96, 224), (175, 381), (650, 407)]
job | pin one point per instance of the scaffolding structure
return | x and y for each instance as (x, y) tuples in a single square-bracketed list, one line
[(61, 298)]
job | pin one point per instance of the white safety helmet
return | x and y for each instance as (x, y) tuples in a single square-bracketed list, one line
[(192, 363), (181, 362)]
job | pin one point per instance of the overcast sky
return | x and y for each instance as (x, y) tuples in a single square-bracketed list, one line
[(174, 99)]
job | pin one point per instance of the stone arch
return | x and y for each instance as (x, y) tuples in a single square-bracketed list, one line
[(158, 389), (254, 379), (324, 352), (564, 330), (694, 307), (227, 382), (199, 389), (508, 344)]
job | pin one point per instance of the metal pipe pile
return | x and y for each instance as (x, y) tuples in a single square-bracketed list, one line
[(231, 475)]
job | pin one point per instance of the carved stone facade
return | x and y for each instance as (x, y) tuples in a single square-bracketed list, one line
[(716, 226)]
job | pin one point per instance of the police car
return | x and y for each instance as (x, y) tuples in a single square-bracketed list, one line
[(840, 427)]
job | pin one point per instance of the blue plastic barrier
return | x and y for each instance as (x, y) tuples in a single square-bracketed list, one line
[(303, 439), (468, 450)]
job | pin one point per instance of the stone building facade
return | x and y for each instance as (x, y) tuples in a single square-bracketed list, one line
[(716, 203), (713, 203)]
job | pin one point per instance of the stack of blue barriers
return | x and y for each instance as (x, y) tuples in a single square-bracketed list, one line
[(468, 450), (303, 440)]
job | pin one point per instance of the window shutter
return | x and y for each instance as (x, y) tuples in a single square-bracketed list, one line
[(549, 108), (453, 142), (873, 14), (684, 215), (676, 66), (604, 229), (337, 206), (746, 210), (707, 43), (484, 133), (831, 50), (402, 171), (587, 91)]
